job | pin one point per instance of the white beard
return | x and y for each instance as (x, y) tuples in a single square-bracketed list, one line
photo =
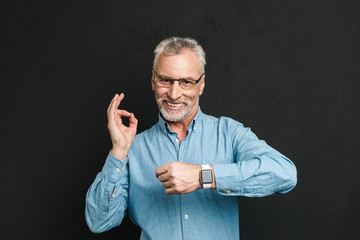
[(173, 115)]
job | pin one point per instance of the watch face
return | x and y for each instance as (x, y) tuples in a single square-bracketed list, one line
[(206, 176)]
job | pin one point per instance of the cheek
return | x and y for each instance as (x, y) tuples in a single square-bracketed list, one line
[(194, 94), (159, 92)]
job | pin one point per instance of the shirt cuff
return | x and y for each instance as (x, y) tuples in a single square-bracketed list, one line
[(227, 179), (114, 167)]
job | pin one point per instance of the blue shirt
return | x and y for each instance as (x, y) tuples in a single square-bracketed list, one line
[(243, 166)]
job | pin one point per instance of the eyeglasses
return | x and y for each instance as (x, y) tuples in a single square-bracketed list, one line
[(184, 83)]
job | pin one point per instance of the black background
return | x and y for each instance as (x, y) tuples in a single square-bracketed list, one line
[(287, 69)]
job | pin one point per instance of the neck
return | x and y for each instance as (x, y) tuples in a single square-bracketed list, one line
[(181, 127)]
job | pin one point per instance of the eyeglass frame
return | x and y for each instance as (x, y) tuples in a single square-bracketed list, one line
[(181, 79)]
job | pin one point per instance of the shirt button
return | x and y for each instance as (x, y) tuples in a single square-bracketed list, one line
[(177, 140), (228, 191), (186, 216), (194, 128), (117, 169), (123, 168), (113, 195)]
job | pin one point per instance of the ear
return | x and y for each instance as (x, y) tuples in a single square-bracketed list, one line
[(202, 86), (153, 81)]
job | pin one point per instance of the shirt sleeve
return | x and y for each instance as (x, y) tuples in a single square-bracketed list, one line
[(107, 197), (258, 169)]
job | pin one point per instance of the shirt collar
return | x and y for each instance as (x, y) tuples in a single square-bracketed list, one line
[(195, 123)]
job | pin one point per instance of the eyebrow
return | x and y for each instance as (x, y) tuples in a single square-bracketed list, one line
[(190, 78)]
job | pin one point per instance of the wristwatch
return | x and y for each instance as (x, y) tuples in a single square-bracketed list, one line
[(206, 176)]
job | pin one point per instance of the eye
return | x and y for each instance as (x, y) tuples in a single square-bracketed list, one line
[(187, 82), (165, 80)]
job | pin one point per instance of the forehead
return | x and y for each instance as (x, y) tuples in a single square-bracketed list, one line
[(184, 64)]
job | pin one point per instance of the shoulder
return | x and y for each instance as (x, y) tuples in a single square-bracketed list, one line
[(228, 128), (222, 122)]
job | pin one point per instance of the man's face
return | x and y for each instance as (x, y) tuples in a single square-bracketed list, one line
[(177, 104)]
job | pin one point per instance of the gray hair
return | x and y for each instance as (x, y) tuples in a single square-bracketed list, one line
[(173, 46)]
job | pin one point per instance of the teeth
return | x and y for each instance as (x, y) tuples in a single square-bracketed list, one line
[(173, 104)]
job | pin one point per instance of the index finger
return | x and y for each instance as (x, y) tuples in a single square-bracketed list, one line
[(112, 100), (114, 104), (117, 102), (160, 170)]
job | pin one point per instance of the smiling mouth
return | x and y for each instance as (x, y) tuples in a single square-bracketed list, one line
[(173, 104)]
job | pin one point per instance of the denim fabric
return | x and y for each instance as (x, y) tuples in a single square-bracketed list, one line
[(243, 166)]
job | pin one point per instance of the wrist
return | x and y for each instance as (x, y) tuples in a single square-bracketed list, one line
[(207, 177), (213, 185), (119, 153), (199, 181)]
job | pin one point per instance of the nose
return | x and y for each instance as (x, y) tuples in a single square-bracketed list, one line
[(175, 91)]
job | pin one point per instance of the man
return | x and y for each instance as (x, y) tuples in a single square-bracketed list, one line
[(182, 178)]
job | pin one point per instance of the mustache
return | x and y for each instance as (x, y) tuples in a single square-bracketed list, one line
[(174, 102)]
